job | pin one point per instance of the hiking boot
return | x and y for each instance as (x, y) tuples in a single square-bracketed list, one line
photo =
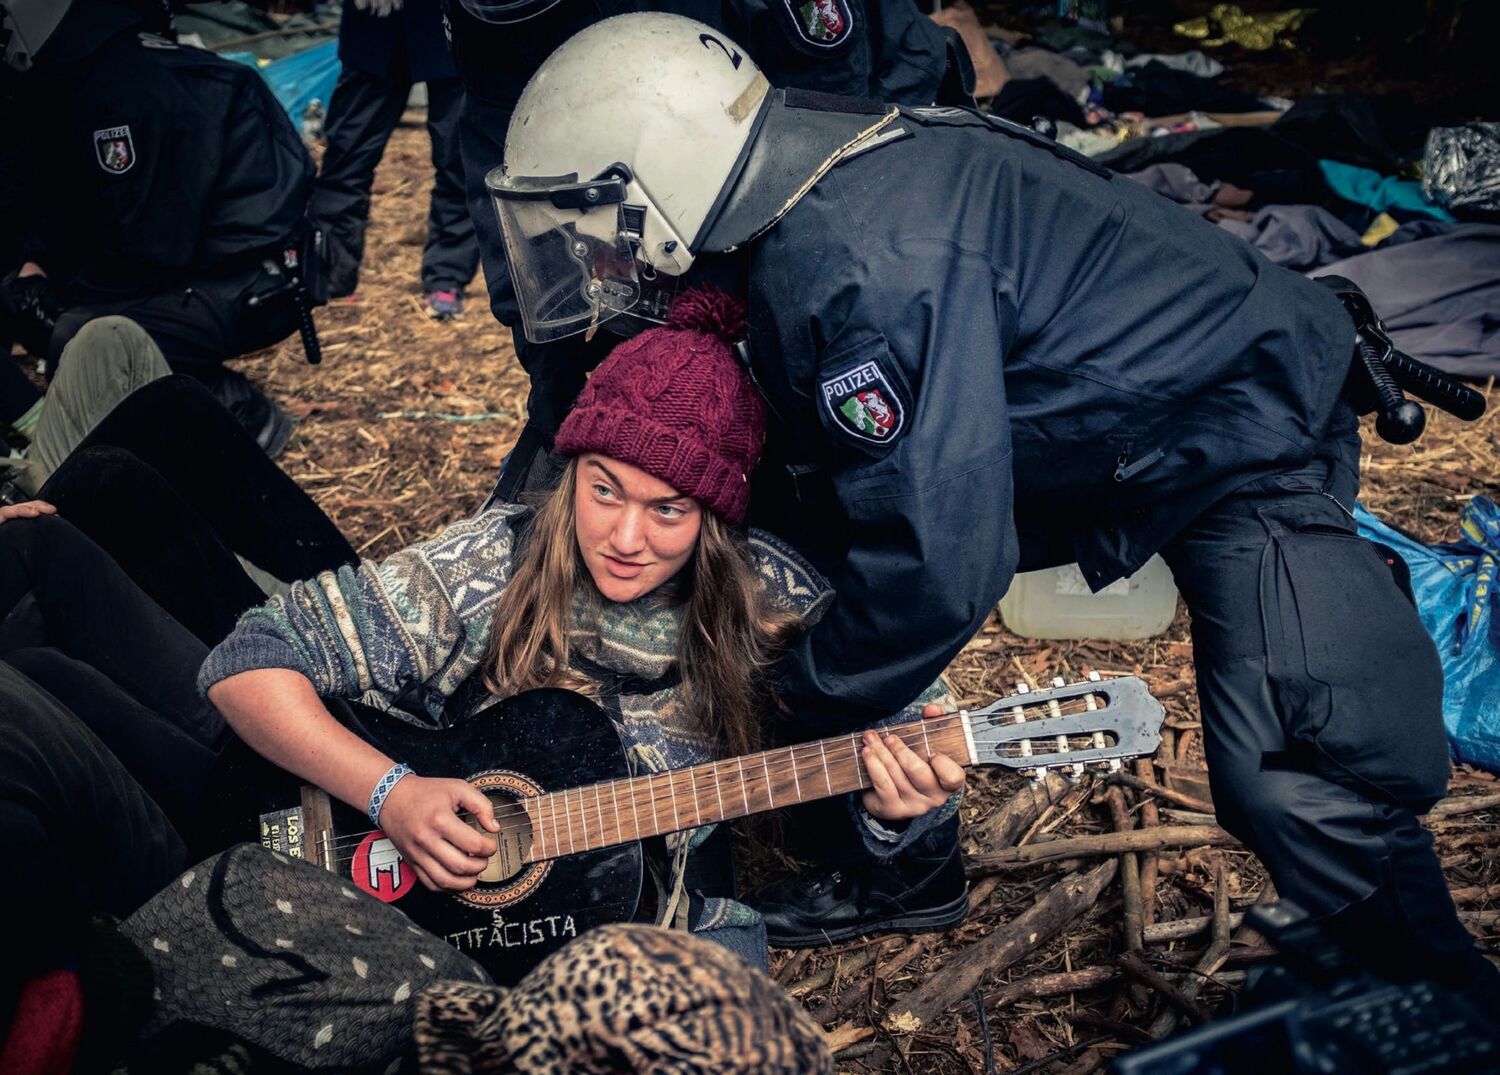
[(255, 413), (913, 893), (443, 305)]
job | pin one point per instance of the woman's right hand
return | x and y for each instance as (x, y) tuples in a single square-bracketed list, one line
[(420, 815), (27, 509)]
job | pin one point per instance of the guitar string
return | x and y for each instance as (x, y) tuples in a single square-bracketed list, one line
[(515, 807), (518, 806)]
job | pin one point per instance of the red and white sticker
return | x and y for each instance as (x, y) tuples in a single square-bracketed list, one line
[(380, 870)]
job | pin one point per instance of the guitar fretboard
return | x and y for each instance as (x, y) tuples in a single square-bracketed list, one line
[(617, 811)]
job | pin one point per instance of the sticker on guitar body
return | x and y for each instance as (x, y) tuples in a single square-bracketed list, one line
[(379, 869), (514, 934)]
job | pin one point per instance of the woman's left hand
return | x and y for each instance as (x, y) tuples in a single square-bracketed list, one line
[(904, 784), (27, 509)]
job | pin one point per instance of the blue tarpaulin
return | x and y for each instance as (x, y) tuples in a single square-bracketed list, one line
[(299, 79), (1454, 586)]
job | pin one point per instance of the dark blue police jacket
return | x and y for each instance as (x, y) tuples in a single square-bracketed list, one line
[(407, 43), (972, 335)]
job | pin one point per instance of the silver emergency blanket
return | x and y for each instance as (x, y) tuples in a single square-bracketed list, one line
[(1461, 167)]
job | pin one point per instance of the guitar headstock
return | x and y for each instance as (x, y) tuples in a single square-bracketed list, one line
[(1095, 722)]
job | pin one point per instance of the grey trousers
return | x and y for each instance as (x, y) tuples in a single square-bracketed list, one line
[(108, 359)]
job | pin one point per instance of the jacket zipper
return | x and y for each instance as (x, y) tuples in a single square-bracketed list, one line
[(1124, 468)]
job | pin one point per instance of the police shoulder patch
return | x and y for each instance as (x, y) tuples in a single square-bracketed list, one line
[(821, 24), (862, 402), (114, 149)]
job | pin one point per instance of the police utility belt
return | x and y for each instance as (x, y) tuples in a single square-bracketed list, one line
[(1379, 372)]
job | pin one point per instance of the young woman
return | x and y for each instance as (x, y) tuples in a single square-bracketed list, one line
[(633, 583)]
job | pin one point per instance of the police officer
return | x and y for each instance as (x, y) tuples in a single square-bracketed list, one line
[(886, 49), (385, 46), (987, 353), (157, 182)]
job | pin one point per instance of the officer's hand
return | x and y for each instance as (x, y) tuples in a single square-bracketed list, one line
[(420, 816), (30, 308), (27, 509), (904, 785)]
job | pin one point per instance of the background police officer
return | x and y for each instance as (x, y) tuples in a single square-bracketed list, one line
[(156, 182), (385, 47), (987, 353)]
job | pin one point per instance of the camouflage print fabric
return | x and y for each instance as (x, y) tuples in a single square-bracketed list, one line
[(289, 958), (622, 999)]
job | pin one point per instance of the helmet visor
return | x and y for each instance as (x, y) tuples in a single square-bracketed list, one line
[(572, 261)]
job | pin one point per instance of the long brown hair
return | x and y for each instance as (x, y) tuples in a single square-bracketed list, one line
[(730, 632)]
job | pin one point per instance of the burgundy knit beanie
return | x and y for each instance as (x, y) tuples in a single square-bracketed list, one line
[(674, 402)]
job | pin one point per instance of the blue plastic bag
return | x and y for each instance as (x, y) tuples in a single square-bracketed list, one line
[(1455, 590), (299, 79)]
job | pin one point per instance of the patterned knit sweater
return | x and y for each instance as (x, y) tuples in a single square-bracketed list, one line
[(404, 634)]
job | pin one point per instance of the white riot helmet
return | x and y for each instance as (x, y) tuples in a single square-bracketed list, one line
[(616, 155)]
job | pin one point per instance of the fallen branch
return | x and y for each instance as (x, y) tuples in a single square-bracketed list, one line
[(1113, 843), (1002, 948), (1474, 893), (1465, 804), (1182, 928), (1005, 825), (1130, 872), (1187, 802), (1039, 986), (1136, 967), (1212, 959), (1150, 819), (840, 1004), (856, 962)]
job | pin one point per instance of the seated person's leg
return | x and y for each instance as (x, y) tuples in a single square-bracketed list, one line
[(106, 360), (176, 428), (199, 327), (91, 610), (156, 537), (81, 832), (169, 764)]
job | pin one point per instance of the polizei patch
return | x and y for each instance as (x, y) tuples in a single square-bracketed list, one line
[(824, 24), (862, 403), (114, 149)]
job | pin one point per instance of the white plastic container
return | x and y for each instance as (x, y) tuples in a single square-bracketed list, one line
[(1056, 603)]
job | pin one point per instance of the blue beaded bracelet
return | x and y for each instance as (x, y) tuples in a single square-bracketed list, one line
[(383, 788)]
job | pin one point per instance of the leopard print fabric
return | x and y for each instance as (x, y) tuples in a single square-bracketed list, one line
[(624, 998)]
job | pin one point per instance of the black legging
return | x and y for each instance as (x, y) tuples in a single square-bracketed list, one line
[(171, 487), (60, 591)]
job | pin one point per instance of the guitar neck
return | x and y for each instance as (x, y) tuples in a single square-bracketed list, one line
[(601, 815)]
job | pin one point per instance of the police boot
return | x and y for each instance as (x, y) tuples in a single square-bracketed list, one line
[(917, 891), (1408, 930)]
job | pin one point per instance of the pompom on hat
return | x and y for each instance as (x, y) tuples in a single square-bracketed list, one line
[(675, 402)]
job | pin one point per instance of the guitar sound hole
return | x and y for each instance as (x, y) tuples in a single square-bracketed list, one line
[(509, 877), (511, 842)]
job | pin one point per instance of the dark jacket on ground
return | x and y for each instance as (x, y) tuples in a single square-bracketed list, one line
[(1074, 367), (154, 165)]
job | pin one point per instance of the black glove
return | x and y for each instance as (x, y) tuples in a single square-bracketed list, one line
[(31, 309)]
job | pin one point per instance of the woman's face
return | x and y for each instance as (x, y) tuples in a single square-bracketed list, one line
[(635, 531)]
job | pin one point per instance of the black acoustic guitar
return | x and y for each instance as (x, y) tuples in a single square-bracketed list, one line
[(571, 816)]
